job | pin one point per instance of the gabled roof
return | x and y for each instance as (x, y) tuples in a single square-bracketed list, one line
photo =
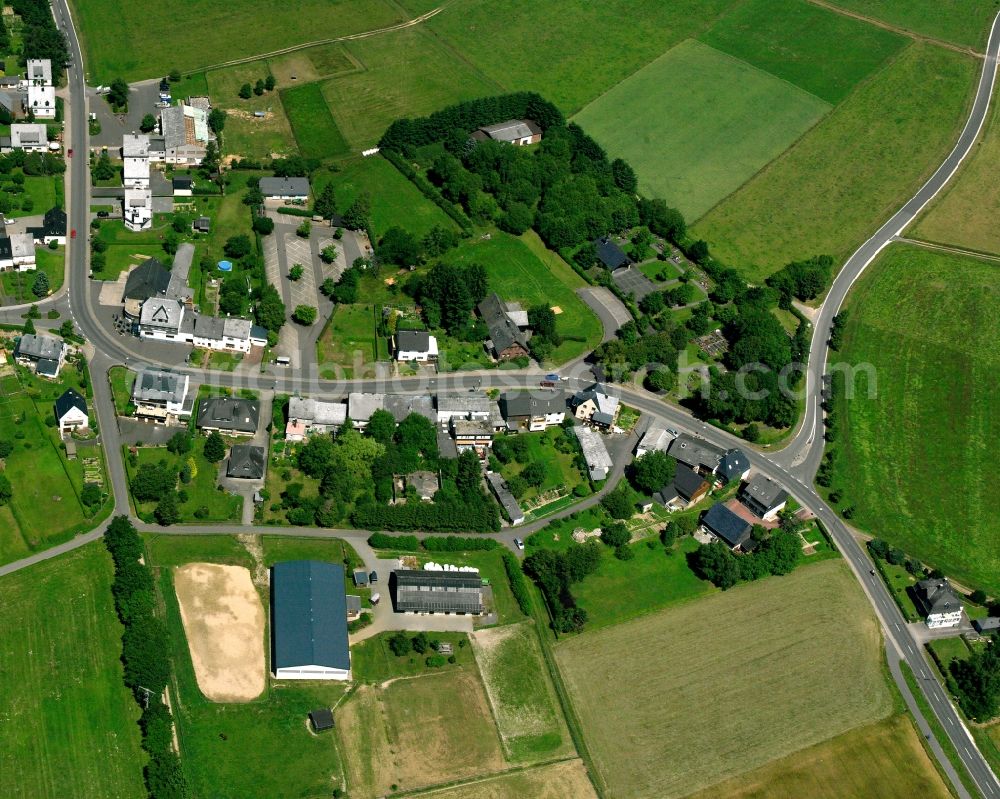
[(764, 491), (284, 187), (402, 405), (148, 279), (511, 130), (696, 452), (310, 615), (53, 224), (317, 411), (159, 385), (687, 481), (524, 403), (610, 254), (734, 463), (725, 524), (438, 591), (182, 182), (67, 401), (229, 413), (936, 596), (38, 346), (504, 332), (413, 340), (246, 462), (606, 404)]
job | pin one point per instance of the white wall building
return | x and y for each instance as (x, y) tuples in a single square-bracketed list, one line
[(17, 252), (30, 137), (160, 394), (137, 206), (41, 97)]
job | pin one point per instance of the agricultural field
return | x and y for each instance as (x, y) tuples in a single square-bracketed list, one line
[(927, 322), (567, 778), (962, 22), (690, 156), (818, 50), (245, 134), (348, 345), (811, 639), (522, 697), (69, 722), (888, 754), (383, 733), (806, 203), (219, 35), (315, 131), (521, 269)]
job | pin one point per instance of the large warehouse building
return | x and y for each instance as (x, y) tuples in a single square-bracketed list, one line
[(309, 624), (438, 591)]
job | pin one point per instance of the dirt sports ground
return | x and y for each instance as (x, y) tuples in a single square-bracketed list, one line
[(224, 624)]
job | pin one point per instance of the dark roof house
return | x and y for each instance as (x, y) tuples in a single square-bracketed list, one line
[(689, 484), (763, 496), (734, 465), (246, 462), (425, 591), (524, 404), (321, 719), (934, 597), (506, 338), (182, 183), (148, 279), (67, 401), (53, 225), (611, 255), (726, 525), (696, 453), (229, 415), (284, 187)]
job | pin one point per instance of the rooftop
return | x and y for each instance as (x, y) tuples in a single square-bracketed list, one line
[(37, 346), (725, 524), (229, 413), (696, 452), (310, 615), (594, 451), (246, 462), (159, 385), (317, 411), (284, 187), (765, 491)]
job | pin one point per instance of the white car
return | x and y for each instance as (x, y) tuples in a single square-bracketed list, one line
[(519, 543)]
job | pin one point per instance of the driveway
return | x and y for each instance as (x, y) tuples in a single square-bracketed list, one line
[(609, 309)]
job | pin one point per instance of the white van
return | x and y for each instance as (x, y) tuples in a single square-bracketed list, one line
[(283, 360)]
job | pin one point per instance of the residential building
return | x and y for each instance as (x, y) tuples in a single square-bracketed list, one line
[(696, 453), (232, 416), (472, 405), (472, 434), (402, 405), (137, 206), (137, 209), (655, 439), (415, 345), (689, 485), (611, 255), (307, 416), (309, 621), (764, 497), (17, 252), (183, 186), (30, 137), (185, 134), (361, 406), (71, 412), (148, 279), (987, 626), (507, 501), (425, 483), (166, 319), (160, 318), (285, 189), (726, 526), (45, 355), (246, 462), (599, 462), (735, 465), (41, 97), (532, 411), (53, 227), (596, 406), (519, 132), (432, 591), (161, 395), (507, 338), (937, 602)]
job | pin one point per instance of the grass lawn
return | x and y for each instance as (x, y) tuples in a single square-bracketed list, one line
[(567, 778), (927, 322), (689, 156), (348, 344), (806, 202), (395, 201), (560, 470), (888, 754), (593, 47), (315, 131), (815, 650), (523, 270), (405, 73), (193, 85), (898, 580), (121, 380), (69, 722), (218, 34), (963, 22), (521, 694), (18, 285), (373, 662), (45, 191), (246, 134), (818, 50), (311, 64), (122, 257), (948, 649)]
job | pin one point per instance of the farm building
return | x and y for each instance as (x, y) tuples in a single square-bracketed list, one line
[(321, 719), (309, 625), (506, 328), (655, 439), (987, 626), (437, 591), (519, 132)]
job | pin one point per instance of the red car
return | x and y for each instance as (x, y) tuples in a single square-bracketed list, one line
[(69, 153), (72, 233)]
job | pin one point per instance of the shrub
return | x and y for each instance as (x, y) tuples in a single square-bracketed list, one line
[(518, 586)]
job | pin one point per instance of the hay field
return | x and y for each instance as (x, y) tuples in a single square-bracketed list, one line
[(564, 780), (678, 700), (224, 626)]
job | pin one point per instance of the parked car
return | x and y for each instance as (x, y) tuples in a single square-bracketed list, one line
[(373, 577), (519, 543), (375, 598), (103, 214)]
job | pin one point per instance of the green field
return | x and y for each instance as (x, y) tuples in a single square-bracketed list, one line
[(523, 270), (823, 52), (927, 322), (692, 156), (310, 64), (570, 51), (566, 779), (213, 33), (69, 724), (245, 134), (348, 343), (315, 131), (806, 202), (45, 192), (122, 380), (963, 22), (740, 678)]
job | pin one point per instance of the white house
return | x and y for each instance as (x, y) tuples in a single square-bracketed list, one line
[(53, 227), (655, 439), (416, 345), (160, 394), (160, 318), (468, 406), (137, 207), (764, 497), (165, 319), (41, 97), (596, 406), (44, 354), (30, 137), (17, 252), (71, 412), (532, 411), (307, 416), (937, 601)]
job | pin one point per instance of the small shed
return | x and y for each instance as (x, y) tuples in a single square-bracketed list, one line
[(360, 577), (321, 719)]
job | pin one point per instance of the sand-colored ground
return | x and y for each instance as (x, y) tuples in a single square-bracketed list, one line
[(565, 780), (224, 624)]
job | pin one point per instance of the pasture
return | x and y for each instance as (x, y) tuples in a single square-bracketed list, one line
[(69, 722), (927, 322), (310, 64), (807, 643), (570, 51), (691, 156), (217, 32), (567, 778), (522, 697), (888, 754), (245, 134), (818, 50), (837, 184), (523, 270), (315, 131), (961, 22)]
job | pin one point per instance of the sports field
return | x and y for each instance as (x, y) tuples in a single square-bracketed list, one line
[(69, 724), (831, 190), (739, 678), (888, 754), (916, 461), (962, 22), (211, 33), (566, 779), (725, 120), (818, 50), (315, 131)]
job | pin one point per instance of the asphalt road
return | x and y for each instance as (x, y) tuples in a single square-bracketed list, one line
[(794, 466)]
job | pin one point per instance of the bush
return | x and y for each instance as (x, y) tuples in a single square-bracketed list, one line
[(305, 315), (399, 644), (437, 661), (518, 586)]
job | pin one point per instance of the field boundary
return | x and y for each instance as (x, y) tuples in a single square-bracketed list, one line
[(939, 246)]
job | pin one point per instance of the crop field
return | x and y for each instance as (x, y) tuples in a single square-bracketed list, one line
[(806, 202), (564, 47), (404, 74), (315, 131), (567, 778), (692, 156), (888, 754), (213, 33), (927, 322), (962, 22), (69, 724), (384, 738), (523, 270), (523, 700), (809, 639), (821, 51), (246, 134)]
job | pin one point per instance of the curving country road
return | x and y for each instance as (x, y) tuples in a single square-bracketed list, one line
[(794, 466)]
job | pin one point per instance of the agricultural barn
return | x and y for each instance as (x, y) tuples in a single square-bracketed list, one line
[(438, 592), (309, 623)]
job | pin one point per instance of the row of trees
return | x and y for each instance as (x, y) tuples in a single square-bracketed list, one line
[(145, 648), (437, 543), (555, 573), (804, 280), (265, 84), (40, 36)]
